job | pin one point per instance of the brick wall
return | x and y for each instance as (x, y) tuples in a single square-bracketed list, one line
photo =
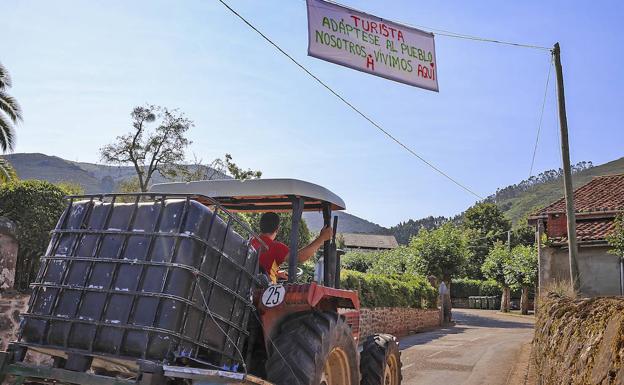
[(396, 320)]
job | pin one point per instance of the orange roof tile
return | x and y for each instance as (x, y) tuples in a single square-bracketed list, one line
[(603, 193)]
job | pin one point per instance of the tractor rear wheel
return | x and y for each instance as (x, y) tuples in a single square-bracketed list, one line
[(380, 363), (313, 349)]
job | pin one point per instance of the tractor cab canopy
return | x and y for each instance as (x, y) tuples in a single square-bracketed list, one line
[(258, 194), (262, 195)]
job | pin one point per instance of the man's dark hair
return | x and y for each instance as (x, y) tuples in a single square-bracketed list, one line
[(269, 222)]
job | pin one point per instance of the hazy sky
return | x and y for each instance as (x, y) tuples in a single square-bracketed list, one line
[(80, 67)]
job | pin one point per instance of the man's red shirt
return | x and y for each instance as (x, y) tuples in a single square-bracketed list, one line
[(271, 259)]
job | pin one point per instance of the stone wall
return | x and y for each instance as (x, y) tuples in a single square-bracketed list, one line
[(579, 341), (397, 320), (11, 306), (8, 253)]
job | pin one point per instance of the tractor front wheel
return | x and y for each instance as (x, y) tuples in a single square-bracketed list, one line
[(381, 360), (313, 349)]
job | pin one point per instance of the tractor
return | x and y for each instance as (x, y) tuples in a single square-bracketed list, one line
[(164, 287)]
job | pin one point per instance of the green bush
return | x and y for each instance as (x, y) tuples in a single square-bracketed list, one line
[(360, 261), (465, 287), (36, 207), (390, 291)]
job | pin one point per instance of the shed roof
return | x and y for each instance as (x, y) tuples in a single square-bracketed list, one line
[(369, 241), (602, 194)]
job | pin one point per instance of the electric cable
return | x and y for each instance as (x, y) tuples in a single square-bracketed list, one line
[(443, 32), (539, 126), (349, 104)]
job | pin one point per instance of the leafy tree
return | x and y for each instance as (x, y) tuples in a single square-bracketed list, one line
[(35, 206), (361, 261), (404, 231), (521, 272), (7, 172), (486, 225), (442, 252), (71, 188), (10, 114), (217, 169), (616, 238), (495, 267), (159, 150)]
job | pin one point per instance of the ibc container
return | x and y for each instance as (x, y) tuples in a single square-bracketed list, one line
[(146, 276)]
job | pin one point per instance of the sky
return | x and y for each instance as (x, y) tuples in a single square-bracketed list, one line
[(79, 67)]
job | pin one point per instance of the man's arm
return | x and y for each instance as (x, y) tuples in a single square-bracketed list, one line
[(307, 252)]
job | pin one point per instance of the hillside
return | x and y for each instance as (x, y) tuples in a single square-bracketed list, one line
[(519, 205), (347, 223), (516, 201), (97, 178)]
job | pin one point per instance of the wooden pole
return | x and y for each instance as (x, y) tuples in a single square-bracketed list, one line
[(567, 173)]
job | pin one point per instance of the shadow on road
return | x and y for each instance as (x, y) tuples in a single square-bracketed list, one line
[(491, 320), (464, 321)]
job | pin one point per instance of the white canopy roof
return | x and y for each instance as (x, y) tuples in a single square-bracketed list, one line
[(258, 194)]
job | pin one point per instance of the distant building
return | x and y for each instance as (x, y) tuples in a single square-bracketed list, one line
[(596, 203), (368, 241)]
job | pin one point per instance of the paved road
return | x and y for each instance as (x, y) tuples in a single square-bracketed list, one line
[(480, 349)]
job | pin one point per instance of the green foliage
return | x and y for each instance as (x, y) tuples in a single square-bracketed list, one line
[(522, 267), (10, 112), (385, 291), (442, 252), (466, 287), (71, 188), (496, 263), (7, 172), (616, 238), (486, 224), (36, 207), (361, 261), (129, 186), (404, 231)]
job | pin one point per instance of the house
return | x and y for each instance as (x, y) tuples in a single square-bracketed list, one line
[(596, 204), (366, 242)]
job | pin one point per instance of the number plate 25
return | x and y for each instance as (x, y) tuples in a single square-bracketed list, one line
[(273, 295)]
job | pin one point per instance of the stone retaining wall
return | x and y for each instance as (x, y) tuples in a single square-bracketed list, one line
[(11, 306), (579, 341), (397, 320)]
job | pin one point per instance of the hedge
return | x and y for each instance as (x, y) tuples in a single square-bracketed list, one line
[(390, 291), (466, 287)]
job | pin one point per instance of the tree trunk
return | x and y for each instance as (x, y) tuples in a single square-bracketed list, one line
[(506, 299), (524, 300)]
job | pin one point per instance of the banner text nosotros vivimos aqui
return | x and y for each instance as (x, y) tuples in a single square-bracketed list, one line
[(370, 44)]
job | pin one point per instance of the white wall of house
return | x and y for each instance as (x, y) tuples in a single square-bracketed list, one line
[(599, 270)]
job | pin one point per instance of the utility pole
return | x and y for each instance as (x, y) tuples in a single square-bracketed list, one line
[(567, 172)]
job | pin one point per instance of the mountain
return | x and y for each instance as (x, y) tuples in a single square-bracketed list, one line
[(98, 178), (517, 201), (347, 223)]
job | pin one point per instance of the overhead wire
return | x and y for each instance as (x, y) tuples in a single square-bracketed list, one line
[(349, 104), (443, 32), (541, 117)]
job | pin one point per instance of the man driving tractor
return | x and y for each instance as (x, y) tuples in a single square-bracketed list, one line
[(277, 252)]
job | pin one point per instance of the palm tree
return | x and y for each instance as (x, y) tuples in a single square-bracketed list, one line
[(7, 172), (10, 114)]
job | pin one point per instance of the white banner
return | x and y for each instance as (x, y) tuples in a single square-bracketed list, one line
[(370, 44)]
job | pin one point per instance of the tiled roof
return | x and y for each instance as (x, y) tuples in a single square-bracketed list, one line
[(592, 230), (369, 241), (603, 193)]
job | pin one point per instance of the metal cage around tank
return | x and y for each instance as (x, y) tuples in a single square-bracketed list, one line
[(150, 276)]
